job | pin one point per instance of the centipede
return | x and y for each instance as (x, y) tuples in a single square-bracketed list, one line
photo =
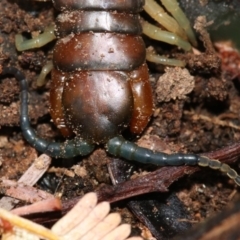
[(100, 82)]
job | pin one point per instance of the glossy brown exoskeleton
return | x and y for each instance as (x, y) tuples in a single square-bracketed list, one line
[(100, 85), (100, 81)]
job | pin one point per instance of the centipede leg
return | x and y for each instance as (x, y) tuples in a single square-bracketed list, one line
[(43, 38), (121, 148), (178, 30), (174, 8), (151, 56), (47, 68), (158, 34), (67, 149), (163, 18)]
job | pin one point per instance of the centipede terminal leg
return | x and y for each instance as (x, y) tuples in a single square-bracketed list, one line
[(122, 148), (67, 149), (73, 69)]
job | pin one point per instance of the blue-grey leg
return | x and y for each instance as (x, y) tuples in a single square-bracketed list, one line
[(67, 149)]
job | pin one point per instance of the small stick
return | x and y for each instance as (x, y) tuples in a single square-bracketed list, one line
[(28, 225)]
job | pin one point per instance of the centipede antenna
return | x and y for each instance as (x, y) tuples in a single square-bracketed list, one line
[(120, 147), (67, 149)]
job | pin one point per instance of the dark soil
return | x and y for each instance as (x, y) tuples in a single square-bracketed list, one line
[(201, 120)]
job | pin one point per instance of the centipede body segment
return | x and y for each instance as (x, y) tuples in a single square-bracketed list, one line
[(100, 85)]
